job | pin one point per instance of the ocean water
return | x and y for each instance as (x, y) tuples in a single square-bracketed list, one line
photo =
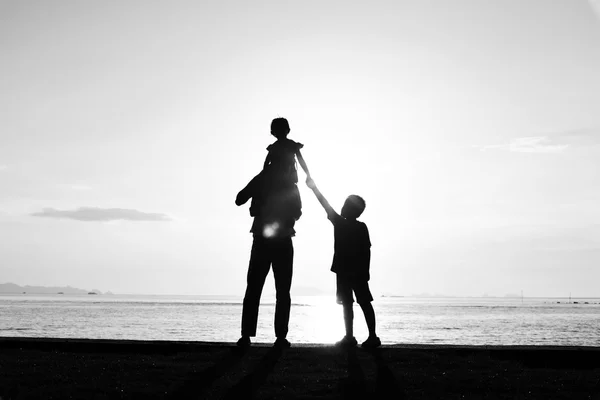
[(314, 319)]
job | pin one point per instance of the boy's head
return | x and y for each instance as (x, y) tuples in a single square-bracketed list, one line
[(280, 128), (353, 207)]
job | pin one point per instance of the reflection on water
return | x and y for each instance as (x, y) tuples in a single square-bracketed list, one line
[(314, 319)]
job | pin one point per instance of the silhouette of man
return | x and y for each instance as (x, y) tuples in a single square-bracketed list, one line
[(272, 230)]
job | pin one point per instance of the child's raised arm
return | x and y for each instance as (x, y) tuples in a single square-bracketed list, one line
[(311, 184), (302, 163)]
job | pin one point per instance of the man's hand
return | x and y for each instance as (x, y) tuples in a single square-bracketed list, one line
[(249, 191), (310, 183), (241, 198)]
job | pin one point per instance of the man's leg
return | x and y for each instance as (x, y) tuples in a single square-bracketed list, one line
[(283, 260), (349, 319), (257, 273)]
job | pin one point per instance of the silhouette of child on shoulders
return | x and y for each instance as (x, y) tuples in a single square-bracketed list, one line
[(281, 160), (279, 172)]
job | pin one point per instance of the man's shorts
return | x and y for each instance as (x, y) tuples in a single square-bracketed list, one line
[(347, 285)]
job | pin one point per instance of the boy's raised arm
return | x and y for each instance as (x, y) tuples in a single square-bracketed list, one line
[(311, 184)]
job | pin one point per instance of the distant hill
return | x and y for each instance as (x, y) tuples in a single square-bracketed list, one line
[(14, 288), (308, 291)]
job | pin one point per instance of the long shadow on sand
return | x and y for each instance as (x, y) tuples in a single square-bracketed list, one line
[(248, 386), (354, 386), (386, 386), (197, 383)]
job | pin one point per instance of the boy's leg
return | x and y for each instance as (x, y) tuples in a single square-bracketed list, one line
[(257, 273), (364, 299), (369, 317), (344, 297), (283, 261)]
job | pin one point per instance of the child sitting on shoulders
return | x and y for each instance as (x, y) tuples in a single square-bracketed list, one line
[(279, 170), (280, 163)]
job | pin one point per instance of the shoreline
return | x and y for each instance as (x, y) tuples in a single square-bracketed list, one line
[(45, 342), (56, 368)]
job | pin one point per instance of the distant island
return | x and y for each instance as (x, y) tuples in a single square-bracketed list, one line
[(12, 288)]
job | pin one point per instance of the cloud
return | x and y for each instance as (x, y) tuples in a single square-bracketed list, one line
[(555, 142), (3, 167), (101, 214), (531, 144)]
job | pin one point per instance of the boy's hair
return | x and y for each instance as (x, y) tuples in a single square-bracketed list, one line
[(356, 205), (280, 127)]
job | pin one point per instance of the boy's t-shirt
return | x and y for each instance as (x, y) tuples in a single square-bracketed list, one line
[(352, 247)]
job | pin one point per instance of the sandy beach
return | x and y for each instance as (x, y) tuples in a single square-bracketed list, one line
[(107, 369)]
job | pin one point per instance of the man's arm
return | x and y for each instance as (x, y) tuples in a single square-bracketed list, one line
[(267, 160), (311, 184), (248, 192)]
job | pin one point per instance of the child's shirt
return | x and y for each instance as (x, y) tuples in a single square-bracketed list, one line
[(352, 247), (282, 155)]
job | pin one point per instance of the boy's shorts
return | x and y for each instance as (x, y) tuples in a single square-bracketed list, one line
[(347, 285)]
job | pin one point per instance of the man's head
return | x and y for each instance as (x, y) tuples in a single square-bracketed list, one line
[(353, 207), (280, 128)]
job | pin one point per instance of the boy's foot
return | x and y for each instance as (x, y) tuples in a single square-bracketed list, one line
[(371, 342), (282, 343), (347, 341), (243, 342)]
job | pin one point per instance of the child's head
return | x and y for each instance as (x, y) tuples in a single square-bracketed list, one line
[(353, 207), (280, 128)]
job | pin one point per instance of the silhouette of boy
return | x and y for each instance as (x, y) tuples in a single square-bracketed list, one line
[(351, 263)]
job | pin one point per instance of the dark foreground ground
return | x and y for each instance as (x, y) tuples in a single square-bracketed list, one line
[(106, 369)]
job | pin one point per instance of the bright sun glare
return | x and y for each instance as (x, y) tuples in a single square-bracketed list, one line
[(270, 230), (325, 323)]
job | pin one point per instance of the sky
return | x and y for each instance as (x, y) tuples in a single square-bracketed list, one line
[(471, 129)]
